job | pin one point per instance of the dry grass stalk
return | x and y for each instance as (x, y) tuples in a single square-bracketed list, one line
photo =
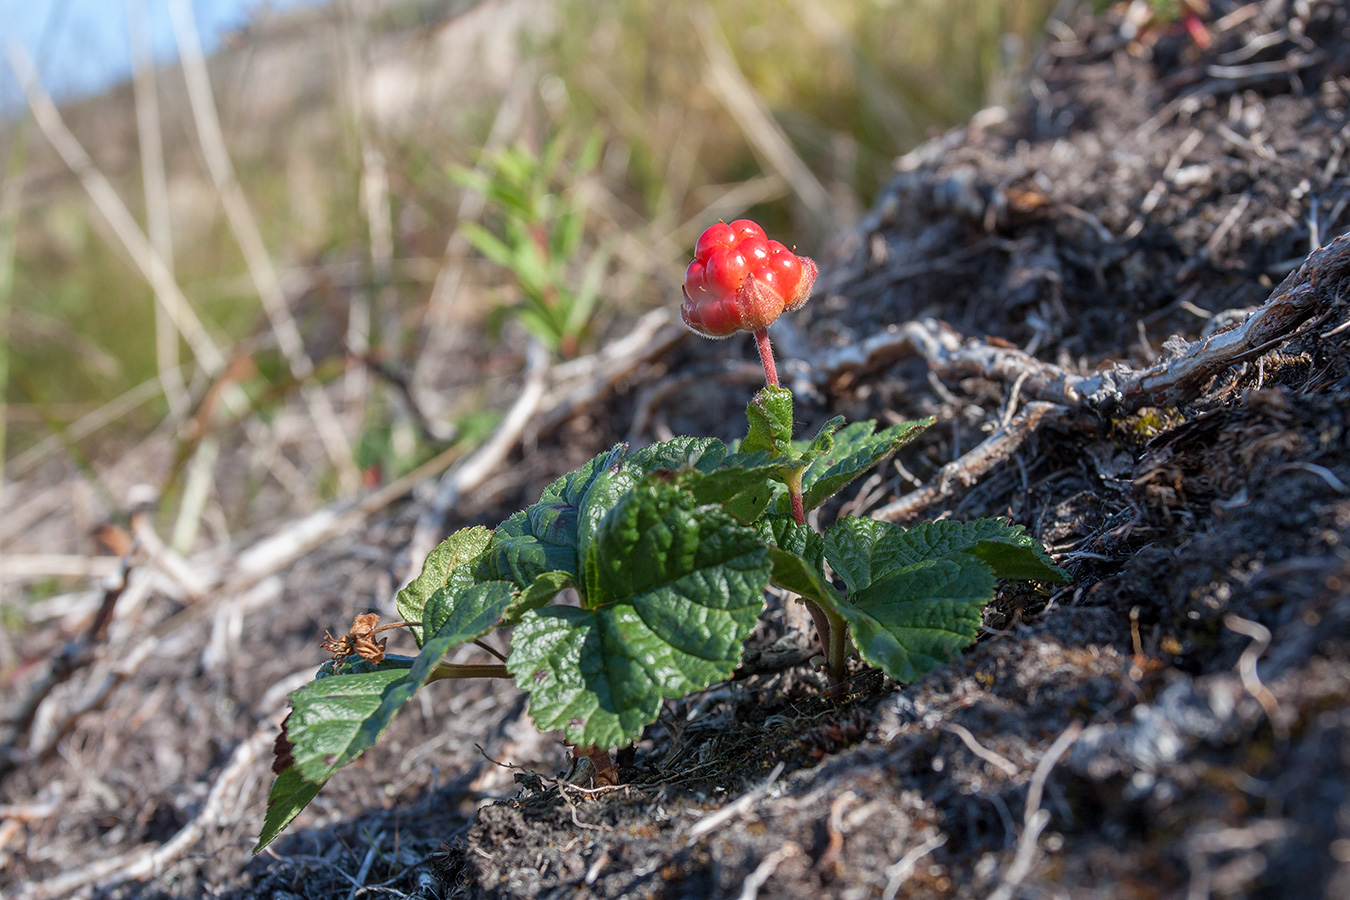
[(259, 263), (439, 320), (143, 255), (157, 219), (758, 126)]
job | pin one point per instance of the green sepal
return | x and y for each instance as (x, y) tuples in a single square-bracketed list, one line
[(823, 442), (769, 416), (673, 590), (449, 561)]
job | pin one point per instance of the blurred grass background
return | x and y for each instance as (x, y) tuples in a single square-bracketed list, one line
[(344, 123)]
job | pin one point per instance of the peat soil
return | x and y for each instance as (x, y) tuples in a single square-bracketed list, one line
[(1173, 723)]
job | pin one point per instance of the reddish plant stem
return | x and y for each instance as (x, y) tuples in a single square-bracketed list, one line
[(606, 773), (798, 512), (766, 356)]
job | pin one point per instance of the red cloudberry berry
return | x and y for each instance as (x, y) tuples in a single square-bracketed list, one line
[(742, 281)]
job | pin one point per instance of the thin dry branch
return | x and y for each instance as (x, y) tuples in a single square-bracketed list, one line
[(256, 258), (972, 466), (154, 860), (157, 220), (758, 126), (1035, 818), (62, 666), (473, 471), (584, 381), (438, 322), (1170, 382), (115, 213)]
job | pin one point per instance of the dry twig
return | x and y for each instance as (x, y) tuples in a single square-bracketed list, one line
[(256, 258), (970, 467), (1170, 382), (1035, 818)]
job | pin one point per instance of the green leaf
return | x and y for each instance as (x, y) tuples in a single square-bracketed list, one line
[(540, 593), (737, 481), (860, 549), (916, 596), (770, 422), (915, 620), (741, 485), (544, 536), (823, 442), (673, 590), (855, 449), (488, 244), (453, 553), (1016, 554), (334, 720), (704, 454), (355, 665), (797, 553), (290, 793)]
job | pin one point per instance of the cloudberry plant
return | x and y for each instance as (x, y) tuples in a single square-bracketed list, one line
[(669, 549)]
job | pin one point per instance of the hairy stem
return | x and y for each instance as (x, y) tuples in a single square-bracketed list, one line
[(794, 486), (766, 356), (838, 654), (833, 631)]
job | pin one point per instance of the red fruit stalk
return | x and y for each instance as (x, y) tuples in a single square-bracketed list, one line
[(742, 281)]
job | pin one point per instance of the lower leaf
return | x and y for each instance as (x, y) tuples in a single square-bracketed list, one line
[(913, 621), (334, 720)]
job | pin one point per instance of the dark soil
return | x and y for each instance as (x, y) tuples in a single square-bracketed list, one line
[(1174, 723)]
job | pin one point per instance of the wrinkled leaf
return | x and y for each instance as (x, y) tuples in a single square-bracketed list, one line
[(290, 793), (544, 536), (334, 720), (544, 589), (325, 717), (704, 454), (797, 552), (913, 621), (857, 548), (453, 553), (854, 450), (916, 595), (742, 485), (673, 590)]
